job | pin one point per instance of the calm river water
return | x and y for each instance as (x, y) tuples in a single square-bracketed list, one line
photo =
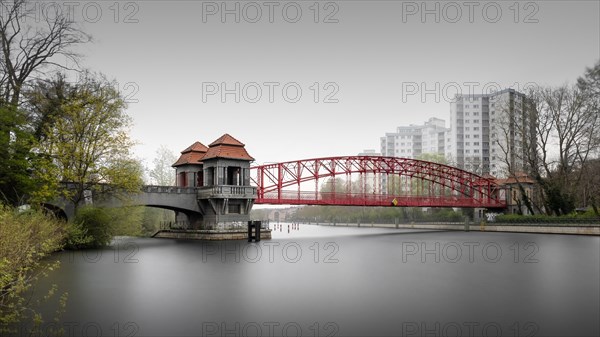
[(337, 281)]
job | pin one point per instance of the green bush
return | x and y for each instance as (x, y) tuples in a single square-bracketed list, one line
[(96, 227), (589, 213), (77, 236), (26, 238), (127, 220)]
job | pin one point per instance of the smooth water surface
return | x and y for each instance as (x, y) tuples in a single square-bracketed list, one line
[(337, 281)]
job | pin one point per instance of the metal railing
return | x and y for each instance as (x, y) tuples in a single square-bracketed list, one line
[(366, 199)]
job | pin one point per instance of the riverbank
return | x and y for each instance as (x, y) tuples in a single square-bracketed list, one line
[(579, 229), (241, 234)]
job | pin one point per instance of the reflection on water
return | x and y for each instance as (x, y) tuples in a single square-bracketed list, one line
[(337, 281)]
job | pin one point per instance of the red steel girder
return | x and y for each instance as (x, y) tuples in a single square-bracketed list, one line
[(466, 189)]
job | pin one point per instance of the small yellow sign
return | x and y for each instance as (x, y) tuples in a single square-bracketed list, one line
[(395, 202)]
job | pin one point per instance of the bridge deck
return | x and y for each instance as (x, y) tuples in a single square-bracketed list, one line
[(341, 199)]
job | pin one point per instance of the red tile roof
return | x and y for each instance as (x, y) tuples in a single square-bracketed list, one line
[(196, 147), (226, 139), (227, 147), (513, 180), (518, 177), (193, 154)]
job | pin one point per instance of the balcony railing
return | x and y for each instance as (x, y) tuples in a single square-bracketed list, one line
[(168, 189), (227, 191)]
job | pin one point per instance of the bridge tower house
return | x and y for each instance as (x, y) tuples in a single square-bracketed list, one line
[(189, 173), (188, 168), (226, 196)]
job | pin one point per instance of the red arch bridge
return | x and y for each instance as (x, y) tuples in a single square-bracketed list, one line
[(348, 181), (373, 181)]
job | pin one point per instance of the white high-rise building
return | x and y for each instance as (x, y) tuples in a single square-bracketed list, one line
[(490, 131), (413, 140)]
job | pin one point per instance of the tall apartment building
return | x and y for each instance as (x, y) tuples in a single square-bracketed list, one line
[(414, 140), (490, 131)]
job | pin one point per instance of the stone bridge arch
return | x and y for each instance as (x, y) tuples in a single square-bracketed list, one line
[(182, 200)]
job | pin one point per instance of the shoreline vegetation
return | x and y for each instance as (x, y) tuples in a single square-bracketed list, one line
[(27, 240)]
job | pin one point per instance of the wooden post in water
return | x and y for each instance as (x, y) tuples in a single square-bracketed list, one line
[(256, 226)]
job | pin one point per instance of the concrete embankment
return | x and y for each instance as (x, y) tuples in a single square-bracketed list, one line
[(582, 229), (265, 234)]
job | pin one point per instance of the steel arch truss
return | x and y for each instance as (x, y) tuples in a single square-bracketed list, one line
[(372, 181)]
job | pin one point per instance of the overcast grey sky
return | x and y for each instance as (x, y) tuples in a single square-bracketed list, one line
[(371, 60)]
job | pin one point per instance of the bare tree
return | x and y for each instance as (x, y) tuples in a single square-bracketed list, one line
[(30, 42), (589, 84), (514, 136), (572, 127), (589, 193), (565, 125), (162, 173), (590, 81)]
